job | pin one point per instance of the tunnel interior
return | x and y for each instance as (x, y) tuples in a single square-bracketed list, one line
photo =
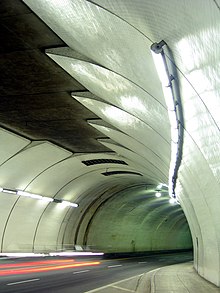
[(115, 213), (78, 83)]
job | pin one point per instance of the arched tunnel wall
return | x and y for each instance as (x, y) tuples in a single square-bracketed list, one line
[(123, 89), (133, 221), (200, 201), (115, 214)]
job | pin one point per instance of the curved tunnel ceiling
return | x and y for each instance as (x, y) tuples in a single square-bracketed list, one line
[(81, 178), (80, 84)]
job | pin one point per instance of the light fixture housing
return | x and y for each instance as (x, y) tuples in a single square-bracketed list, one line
[(7, 190), (39, 197), (164, 63), (158, 194), (69, 204)]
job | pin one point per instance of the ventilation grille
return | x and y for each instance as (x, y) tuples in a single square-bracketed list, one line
[(121, 173), (103, 161)]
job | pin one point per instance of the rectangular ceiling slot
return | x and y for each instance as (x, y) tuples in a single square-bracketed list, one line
[(121, 173), (103, 161)]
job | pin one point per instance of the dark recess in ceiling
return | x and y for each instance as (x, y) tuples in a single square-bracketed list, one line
[(35, 98)]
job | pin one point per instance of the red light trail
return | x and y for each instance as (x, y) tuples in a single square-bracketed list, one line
[(17, 269), (35, 263)]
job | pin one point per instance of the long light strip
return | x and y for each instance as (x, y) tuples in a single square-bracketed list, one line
[(67, 203), (55, 253), (168, 78), (27, 194), (38, 197), (75, 253)]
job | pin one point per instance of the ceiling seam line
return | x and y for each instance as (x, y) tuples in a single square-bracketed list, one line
[(81, 175), (109, 11), (47, 168), (6, 223)]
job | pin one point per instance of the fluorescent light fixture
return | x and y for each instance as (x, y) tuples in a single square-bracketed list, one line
[(161, 186), (161, 70), (23, 193), (172, 200), (75, 253), (28, 194), (167, 73), (36, 196), (173, 119), (47, 199), (39, 197), (174, 135), (167, 91), (6, 190), (65, 203), (69, 204), (21, 254), (158, 194), (75, 205)]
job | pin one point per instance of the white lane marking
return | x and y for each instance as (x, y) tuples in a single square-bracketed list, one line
[(142, 261), (25, 281), (113, 284), (79, 272), (115, 266), (123, 289)]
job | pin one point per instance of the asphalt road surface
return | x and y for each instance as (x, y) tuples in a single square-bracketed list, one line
[(59, 274)]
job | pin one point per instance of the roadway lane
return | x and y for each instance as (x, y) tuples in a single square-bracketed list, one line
[(81, 278)]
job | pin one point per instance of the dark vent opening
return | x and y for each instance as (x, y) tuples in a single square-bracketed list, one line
[(103, 161), (121, 173)]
